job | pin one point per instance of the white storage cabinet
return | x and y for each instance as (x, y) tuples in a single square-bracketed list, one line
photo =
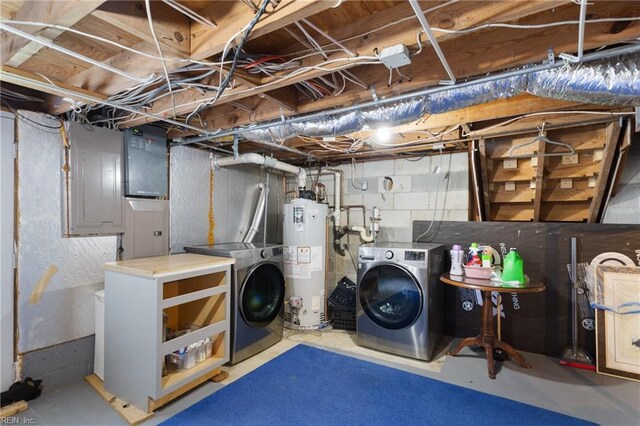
[(193, 292)]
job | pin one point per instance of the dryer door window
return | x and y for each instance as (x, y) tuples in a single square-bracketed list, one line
[(262, 295), (390, 296)]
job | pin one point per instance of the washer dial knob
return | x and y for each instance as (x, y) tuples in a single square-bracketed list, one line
[(389, 254)]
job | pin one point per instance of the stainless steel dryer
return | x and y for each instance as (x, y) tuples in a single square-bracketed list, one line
[(400, 301), (257, 295)]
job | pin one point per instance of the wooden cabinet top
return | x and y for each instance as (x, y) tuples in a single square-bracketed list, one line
[(163, 265)]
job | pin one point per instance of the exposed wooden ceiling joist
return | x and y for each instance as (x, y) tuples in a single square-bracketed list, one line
[(16, 50), (53, 87), (231, 16), (171, 27), (476, 53), (359, 26), (457, 16)]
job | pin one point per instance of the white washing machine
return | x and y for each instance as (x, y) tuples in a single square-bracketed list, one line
[(257, 295), (400, 301)]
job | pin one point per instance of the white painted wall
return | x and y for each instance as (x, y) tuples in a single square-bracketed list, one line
[(6, 249), (235, 194), (66, 310)]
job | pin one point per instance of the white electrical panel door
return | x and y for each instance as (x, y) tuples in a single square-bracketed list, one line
[(146, 228), (95, 192)]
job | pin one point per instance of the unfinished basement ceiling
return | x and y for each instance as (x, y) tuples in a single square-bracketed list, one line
[(301, 57)]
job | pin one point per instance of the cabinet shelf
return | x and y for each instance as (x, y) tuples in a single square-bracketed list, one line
[(193, 293), (189, 338), (177, 378), (185, 298)]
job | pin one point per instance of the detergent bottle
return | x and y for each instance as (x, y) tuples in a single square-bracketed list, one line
[(457, 257), (513, 269), (474, 252), (486, 258)]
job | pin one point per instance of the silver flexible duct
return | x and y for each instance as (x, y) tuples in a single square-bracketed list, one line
[(609, 82), (259, 213), (608, 78), (476, 94)]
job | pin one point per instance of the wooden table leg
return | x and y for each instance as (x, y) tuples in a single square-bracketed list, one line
[(487, 338), (509, 349), (487, 331), (488, 348), (469, 341)]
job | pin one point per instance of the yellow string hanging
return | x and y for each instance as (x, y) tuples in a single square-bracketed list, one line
[(212, 223)]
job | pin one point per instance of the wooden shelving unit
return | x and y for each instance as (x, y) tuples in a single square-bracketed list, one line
[(192, 291), (541, 186)]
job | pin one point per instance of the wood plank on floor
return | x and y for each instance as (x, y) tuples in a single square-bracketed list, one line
[(131, 414), (12, 410)]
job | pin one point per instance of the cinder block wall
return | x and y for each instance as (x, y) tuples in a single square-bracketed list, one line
[(419, 192)]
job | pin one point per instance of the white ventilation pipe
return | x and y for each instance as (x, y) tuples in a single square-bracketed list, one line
[(259, 213), (253, 158)]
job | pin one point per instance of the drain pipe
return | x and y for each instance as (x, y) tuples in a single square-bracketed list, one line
[(337, 201), (253, 158), (338, 231), (363, 233), (257, 216)]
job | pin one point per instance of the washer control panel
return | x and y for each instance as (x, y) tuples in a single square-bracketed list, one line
[(418, 256), (400, 255)]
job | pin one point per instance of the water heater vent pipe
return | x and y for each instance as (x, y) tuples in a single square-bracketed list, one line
[(253, 158)]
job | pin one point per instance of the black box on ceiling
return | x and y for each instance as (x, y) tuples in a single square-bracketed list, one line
[(146, 162)]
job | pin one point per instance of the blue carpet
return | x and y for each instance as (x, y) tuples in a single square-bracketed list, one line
[(310, 386)]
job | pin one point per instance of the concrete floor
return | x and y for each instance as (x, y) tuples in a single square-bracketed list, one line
[(584, 394)]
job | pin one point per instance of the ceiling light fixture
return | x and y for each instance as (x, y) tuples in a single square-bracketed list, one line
[(383, 134)]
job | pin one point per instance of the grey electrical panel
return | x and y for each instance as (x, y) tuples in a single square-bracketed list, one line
[(94, 190), (146, 162), (146, 225)]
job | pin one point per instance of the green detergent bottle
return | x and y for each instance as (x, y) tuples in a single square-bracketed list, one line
[(513, 267)]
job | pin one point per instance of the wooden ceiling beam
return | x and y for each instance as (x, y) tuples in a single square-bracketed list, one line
[(502, 108), (201, 42), (491, 51), (17, 50), (231, 16), (53, 87), (552, 122), (459, 15), (285, 98), (172, 28)]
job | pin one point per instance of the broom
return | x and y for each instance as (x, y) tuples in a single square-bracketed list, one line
[(573, 356)]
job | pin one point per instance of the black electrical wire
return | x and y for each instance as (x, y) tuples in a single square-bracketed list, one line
[(236, 56), (24, 117)]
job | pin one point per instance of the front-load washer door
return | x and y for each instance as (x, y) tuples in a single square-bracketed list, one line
[(261, 295), (390, 296)]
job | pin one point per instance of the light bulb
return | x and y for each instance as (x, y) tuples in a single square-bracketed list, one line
[(383, 134)]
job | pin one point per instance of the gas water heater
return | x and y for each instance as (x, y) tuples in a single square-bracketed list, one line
[(305, 242)]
